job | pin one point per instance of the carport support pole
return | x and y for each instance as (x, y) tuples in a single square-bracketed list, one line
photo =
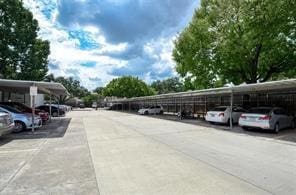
[(33, 113), (231, 106), (50, 108)]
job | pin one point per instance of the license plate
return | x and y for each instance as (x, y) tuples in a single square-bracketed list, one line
[(212, 115)]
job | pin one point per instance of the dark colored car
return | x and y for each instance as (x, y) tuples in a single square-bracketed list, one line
[(54, 110), (26, 109)]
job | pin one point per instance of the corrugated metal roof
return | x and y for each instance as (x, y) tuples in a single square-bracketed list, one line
[(244, 88), (20, 86)]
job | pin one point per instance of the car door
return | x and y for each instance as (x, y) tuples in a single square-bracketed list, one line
[(152, 110)]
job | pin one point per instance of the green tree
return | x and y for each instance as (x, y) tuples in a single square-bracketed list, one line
[(238, 41), (22, 54), (169, 85), (127, 86), (73, 87), (89, 99), (98, 90)]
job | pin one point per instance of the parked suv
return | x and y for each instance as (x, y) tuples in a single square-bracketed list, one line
[(6, 123), (26, 109), (22, 120), (269, 118), (151, 110)]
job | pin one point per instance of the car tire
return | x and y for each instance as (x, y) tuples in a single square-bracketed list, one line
[(146, 113), (277, 128), (54, 114), (19, 126), (161, 112), (245, 128)]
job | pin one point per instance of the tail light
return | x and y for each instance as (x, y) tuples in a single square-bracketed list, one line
[(243, 117), (265, 117), (221, 114)]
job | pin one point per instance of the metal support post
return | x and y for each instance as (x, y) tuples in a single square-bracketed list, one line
[(231, 107)]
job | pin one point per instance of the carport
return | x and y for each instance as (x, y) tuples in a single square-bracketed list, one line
[(26, 87), (275, 93)]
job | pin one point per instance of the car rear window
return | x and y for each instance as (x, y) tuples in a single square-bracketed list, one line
[(219, 109), (259, 110)]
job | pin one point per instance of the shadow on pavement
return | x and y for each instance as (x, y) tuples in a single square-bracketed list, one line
[(54, 129)]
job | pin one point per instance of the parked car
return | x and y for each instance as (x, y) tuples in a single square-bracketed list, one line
[(221, 114), (6, 123), (269, 118), (55, 111), (151, 110), (94, 105), (81, 105), (26, 109), (22, 120)]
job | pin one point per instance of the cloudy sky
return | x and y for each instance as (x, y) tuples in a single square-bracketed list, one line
[(95, 41)]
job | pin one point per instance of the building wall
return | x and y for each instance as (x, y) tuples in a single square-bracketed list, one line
[(22, 98)]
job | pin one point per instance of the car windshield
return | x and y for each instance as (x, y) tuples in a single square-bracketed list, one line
[(10, 109), (219, 109), (259, 110)]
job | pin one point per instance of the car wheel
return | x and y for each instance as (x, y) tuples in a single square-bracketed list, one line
[(146, 113), (161, 112), (19, 126), (277, 128), (54, 114), (245, 128)]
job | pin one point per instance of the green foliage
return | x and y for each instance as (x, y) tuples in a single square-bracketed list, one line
[(98, 90), (89, 99), (127, 86), (22, 54), (169, 85), (73, 86), (238, 41)]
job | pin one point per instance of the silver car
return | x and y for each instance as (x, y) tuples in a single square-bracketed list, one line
[(270, 118), (22, 121), (6, 123)]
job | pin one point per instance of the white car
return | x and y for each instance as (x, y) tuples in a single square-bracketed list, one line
[(6, 123), (221, 114), (151, 110), (269, 118)]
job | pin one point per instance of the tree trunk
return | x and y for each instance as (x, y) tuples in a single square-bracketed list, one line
[(254, 65)]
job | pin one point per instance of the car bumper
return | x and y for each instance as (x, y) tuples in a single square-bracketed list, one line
[(261, 125), (216, 119), (37, 124), (7, 130)]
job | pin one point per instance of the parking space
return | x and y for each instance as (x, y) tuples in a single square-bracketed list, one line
[(107, 152), (287, 134), (53, 160)]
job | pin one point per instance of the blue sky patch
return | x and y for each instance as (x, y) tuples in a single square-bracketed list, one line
[(89, 64)]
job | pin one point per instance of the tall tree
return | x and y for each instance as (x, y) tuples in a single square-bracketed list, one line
[(73, 87), (169, 85), (22, 54), (127, 86), (238, 41)]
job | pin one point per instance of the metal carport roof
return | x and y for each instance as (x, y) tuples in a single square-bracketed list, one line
[(244, 88), (21, 86)]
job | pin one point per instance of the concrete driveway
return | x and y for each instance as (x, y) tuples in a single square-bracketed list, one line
[(105, 152)]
